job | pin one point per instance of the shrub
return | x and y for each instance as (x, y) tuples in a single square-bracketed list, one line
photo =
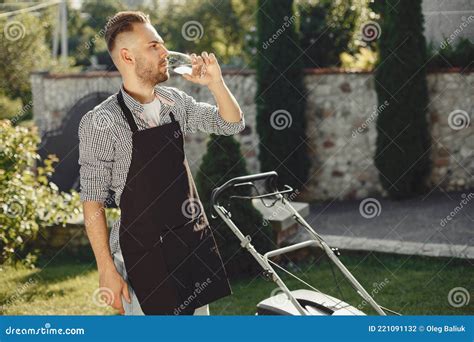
[(365, 59), (222, 162), (9, 109), (460, 54), (28, 201)]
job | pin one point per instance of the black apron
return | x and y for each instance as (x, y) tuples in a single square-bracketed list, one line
[(170, 255)]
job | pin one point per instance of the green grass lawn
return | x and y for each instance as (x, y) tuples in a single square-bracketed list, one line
[(411, 285)]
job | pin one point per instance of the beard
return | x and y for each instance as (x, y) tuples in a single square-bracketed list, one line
[(148, 73)]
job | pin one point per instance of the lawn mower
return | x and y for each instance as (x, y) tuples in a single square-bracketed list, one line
[(297, 302)]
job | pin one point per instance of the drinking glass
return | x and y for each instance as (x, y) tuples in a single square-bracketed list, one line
[(180, 63)]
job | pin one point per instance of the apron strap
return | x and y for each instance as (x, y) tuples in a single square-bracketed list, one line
[(172, 117), (127, 112)]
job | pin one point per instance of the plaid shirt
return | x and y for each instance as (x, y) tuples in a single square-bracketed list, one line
[(105, 140)]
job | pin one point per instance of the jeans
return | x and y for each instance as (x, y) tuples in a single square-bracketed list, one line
[(134, 308)]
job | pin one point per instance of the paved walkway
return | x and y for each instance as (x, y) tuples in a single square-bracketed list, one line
[(416, 226)]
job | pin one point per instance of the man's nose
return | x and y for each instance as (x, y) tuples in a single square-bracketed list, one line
[(165, 52)]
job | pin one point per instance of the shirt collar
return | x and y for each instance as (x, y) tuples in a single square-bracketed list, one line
[(164, 95)]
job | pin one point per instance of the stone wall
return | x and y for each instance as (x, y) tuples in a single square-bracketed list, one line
[(55, 94), (341, 113)]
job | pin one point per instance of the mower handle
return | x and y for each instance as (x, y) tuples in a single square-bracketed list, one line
[(269, 176)]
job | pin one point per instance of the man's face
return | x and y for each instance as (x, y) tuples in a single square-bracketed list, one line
[(150, 55)]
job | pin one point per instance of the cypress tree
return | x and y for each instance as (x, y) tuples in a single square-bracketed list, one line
[(280, 96), (403, 140), (223, 161)]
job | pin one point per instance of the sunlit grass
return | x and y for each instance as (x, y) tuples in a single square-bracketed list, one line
[(411, 285)]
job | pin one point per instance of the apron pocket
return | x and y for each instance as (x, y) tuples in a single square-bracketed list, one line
[(139, 236)]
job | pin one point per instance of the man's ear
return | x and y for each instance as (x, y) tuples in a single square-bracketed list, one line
[(126, 56)]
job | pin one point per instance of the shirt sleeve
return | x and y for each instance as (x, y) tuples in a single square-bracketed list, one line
[(204, 117), (96, 154)]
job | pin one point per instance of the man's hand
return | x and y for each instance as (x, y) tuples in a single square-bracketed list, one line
[(206, 70), (96, 227), (111, 279)]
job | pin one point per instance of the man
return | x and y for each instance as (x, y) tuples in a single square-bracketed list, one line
[(161, 256)]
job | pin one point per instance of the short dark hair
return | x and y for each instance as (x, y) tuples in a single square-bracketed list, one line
[(122, 22)]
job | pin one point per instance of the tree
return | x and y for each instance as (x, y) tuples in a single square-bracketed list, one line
[(327, 28), (280, 96), (222, 162), (22, 50), (214, 25), (403, 140), (88, 34)]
